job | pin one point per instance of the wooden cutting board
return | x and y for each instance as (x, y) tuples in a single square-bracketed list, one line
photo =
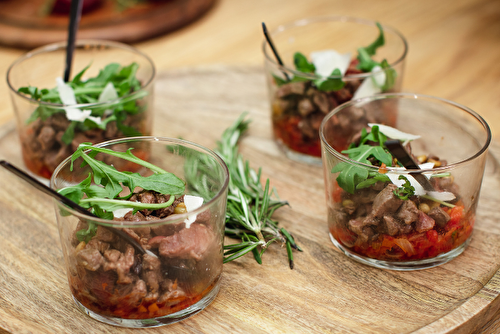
[(27, 24), (326, 292)]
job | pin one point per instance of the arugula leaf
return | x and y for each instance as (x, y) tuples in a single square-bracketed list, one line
[(406, 190), (115, 204), (353, 177), (366, 63), (373, 178), (86, 235), (302, 64), (350, 175), (123, 79), (390, 75), (331, 84), (108, 183)]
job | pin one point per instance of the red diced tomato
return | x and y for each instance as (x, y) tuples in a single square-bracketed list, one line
[(432, 236)]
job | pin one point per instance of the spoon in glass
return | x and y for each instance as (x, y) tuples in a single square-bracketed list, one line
[(51, 192)]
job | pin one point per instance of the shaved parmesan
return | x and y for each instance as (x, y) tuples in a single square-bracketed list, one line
[(120, 213), (444, 196), (192, 203), (419, 190), (394, 133), (75, 114), (66, 93), (108, 93), (67, 96), (328, 60)]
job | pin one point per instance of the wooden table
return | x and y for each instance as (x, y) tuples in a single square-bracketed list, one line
[(454, 53)]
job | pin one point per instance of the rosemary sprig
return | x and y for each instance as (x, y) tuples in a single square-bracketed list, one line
[(250, 205)]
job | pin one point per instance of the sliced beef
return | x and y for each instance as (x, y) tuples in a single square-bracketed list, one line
[(151, 274), (105, 235), (123, 265), (386, 202), (111, 257), (294, 88), (424, 222), (95, 243), (365, 233), (392, 225), (408, 212), (190, 242), (439, 216), (90, 258)]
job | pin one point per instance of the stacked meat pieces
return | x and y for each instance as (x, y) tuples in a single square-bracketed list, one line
[(42, 141), (376, 210), (110, 275)]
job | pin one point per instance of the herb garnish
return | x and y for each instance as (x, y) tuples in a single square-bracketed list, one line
[(250, 206), (334, 81), (103, 196), (406, 190), (353, 177), (123, 80)]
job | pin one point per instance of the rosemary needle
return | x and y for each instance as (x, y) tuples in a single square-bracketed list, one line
[(250, 205)]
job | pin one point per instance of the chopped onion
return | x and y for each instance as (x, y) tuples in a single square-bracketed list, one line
[(328, 60), (405, 245)]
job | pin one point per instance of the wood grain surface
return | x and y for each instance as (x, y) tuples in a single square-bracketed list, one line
[(326, 292)]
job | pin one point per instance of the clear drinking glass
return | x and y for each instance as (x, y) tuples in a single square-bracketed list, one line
[(367, 219), (47, 134), (183, 275), (298, 104)]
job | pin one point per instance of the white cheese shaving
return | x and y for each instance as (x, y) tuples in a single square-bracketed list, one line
[(66, 93), (192, 203), (419, 190), (328, 60), (120, 213), (394, 133), (68, 98), (108, 93), (75, 114), (444, 196), (371, 85)]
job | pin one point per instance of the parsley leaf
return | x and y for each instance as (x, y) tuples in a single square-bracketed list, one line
[(406, 190)]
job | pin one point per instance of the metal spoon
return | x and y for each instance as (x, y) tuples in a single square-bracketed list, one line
[(399, 152), (51, 192)]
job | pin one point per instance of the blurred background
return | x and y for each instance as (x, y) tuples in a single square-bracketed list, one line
[(454, 45)]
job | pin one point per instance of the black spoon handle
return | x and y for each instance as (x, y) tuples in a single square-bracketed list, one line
[(399, 152), (51, 192)]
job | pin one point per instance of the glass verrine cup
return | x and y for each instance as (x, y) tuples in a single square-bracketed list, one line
[(51, 125), (114, 282), (299, 100), (374, 215)]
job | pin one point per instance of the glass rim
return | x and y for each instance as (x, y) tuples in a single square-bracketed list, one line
[(398, 170), (80, 43), (180, 218), (340, 18)]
